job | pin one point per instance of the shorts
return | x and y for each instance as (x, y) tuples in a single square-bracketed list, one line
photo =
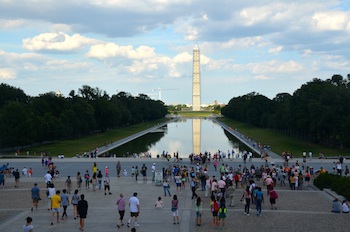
[(121, 214), (175, 213), (198, 214), (273, 200), (55, 210), (82, 215), (35, 200), (178, 184), (134, 214), (215, 213), (107, 187)]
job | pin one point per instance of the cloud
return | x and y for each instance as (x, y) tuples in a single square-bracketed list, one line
[(60, 42), (12, 23), (276, 50), (331, 20), (275, 66), (107, 50), (6, 74)]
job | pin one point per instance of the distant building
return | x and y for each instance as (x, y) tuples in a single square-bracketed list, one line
[(196, 78)]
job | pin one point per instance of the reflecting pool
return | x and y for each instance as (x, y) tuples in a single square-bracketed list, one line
[(184, 136)]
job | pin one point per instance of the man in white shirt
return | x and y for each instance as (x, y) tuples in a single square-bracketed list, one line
[(134, 205), (153, 168), (25, 172), (48, 178)]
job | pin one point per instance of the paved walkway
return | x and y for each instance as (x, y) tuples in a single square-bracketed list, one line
[(247, 141), (306, 210)]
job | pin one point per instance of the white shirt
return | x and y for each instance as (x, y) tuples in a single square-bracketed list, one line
[(133, 203), (153, 168), (48, 177)]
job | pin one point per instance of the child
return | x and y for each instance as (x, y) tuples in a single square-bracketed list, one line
[(28, 227), (222, 214), (125, 173), (215, 209), (159, 203)]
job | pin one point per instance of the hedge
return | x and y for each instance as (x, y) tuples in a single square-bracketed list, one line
[(339, 184)]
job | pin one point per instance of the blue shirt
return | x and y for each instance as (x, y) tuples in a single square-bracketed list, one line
[(259, 195), (64, 199), (35, 192)]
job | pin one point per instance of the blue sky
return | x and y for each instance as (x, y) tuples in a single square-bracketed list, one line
[(265, 46)]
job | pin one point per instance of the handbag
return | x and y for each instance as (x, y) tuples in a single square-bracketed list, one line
[(244, 202)]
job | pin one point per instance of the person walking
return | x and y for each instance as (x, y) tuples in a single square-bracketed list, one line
[(79, 180), (119, 168), (273, 197), (222, 214), (55, 206), (259, 201), (99, 179), (68, 184), (64, 203), (87, 179), (246, 197), (144, 172), (17, 175), (134, 205), (166, 187), (193, 187), (230, 194), (83, 211), (136, 172), (199, 210), (74, 201), (107, 182), (175, 209), (94, 181), (121, 209), (50, 193), (35, 196), (153, 169)]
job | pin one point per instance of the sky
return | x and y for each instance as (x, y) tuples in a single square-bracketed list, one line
[(146, 46)]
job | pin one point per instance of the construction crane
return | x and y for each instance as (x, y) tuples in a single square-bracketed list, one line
[(159, 90)]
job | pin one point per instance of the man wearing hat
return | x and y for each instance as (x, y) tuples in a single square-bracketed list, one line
[(153, 168)]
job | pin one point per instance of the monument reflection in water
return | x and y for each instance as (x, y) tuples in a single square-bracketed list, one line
[(184, 136)]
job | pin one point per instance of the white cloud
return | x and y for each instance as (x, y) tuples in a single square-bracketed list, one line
[(107, 50), (276, 50), (275, 66), (331, 20), (12, 23), (6, 74), (57, 42)]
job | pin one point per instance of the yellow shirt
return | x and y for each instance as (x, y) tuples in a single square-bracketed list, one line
[(55, 201)]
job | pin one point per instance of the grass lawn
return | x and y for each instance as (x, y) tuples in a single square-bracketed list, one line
[(77, 146), (195, 113), (280, 142)]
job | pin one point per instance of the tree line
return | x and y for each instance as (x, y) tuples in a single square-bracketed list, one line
[(319, 111), (26, 120)]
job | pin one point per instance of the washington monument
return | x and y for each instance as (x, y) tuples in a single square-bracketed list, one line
[(196, 78)]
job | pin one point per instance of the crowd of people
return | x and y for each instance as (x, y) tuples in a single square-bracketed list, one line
[(219, 186)]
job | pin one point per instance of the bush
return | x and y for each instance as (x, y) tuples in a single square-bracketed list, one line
[(339, 184)]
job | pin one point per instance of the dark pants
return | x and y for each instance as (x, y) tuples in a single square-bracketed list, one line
[(194, 192), (258, 206), (247, 205), (64, 211)]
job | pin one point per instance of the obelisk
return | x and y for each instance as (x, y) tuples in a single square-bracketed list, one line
[(196, 78)]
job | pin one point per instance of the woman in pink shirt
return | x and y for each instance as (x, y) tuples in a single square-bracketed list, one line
[(121, 209)]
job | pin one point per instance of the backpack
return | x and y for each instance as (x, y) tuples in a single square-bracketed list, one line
[(216, 207)]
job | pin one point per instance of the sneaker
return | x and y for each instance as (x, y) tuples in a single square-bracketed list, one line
[(128, 224), (247, 214), (136, 224), (51, 223)]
